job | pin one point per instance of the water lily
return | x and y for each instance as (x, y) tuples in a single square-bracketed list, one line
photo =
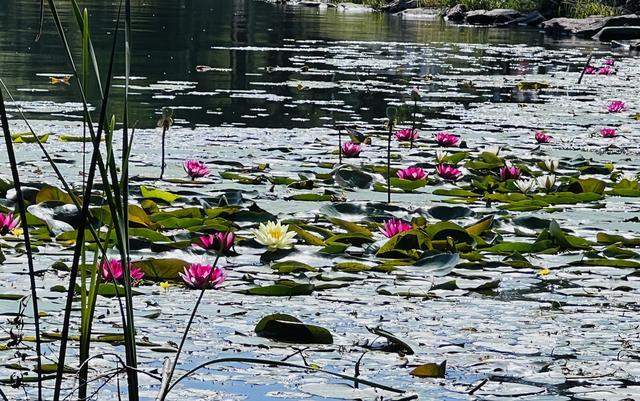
[(406, 134), (616, 106), (551, 165), (195, 169), (589, 70), (525, 185), (509, 172), (395, 226), (608, 132), (274, 235), (441, 156), (220, 242), (200, 276), (350, 149), (448, 172), (447, 140), (411, 174), (112, 270), (8, 223), (609, 62), (542, 137), (546, 181), (606, 70)]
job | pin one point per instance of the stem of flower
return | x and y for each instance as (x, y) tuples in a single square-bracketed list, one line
[(164, 133), (413, 126), (389, 161), (340, 145)]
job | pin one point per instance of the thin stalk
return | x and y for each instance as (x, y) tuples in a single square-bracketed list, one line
[(85, 79), (389, 161), (285, 364), (165, 391), (130, 331), (340, 145), (584, 69), (413, 125), (164, 134), (25, 231)]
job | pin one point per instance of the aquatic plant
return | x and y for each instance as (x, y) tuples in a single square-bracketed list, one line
[(7, 223), (407, 134), (415, 96), (112, 270), (616, 106), (551, 165), (221, 242), (610, 62), (448, 172), (590, 70), (542, 137), (350, 149), (447, 140), (546, 181), (394, 226), (608, 132), (412, 174), (274, 235), (165, 123), (509, 172), (525, 185), (195, 169), (199, 276), (392, 113), (441, 156), (606, 70)]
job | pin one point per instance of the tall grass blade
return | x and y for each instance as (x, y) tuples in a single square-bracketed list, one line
[(25, 230)]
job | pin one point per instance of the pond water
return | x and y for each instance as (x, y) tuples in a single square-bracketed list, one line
[(553, 318)]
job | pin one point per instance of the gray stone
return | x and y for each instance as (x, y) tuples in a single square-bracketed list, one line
[(397, 6), (635, 45), (419, 14), (618, 33), (353, 8), (492, 17), (456, 13), (588, 27)]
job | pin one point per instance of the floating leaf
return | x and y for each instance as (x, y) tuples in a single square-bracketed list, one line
[(434, 370), (281, 327)]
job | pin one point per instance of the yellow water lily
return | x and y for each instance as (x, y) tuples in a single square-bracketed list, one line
[(165, 285), (544, 272), (275, 236)]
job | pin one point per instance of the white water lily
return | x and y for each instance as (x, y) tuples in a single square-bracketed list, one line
[(274, 236), (628, 177), (441, 156), (551, 165), (525, 185), (547, 181)]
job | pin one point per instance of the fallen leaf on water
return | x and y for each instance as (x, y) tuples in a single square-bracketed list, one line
[(430, 370)]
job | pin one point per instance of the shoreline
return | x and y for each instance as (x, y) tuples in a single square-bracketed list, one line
[(620, 30)]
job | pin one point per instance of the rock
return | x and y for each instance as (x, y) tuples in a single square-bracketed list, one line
[(635, 45), (353, 8), (456, 13), (533, 18), (492, 17), (419, 14), (397, 6), (618, 33), (588, 27)]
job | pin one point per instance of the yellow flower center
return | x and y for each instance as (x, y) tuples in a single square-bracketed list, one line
[(275, 233)]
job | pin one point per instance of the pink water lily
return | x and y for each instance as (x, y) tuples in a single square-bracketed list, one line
[(195, 169), (200, 276), (589, 70), (616, 106), (606, 70), (415, 94), (350, 149), (394, 226), (509, 173), (447, 140), (541, 137), (220, 242), (8, 223), (609, 61), (448, 172), (411, 174), (608, 132), (406, 134), (112, 270)]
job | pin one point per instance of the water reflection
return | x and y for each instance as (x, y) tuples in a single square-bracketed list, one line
[(248, 46)]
